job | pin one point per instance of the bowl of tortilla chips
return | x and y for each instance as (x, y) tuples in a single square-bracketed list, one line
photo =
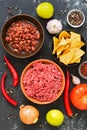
[(68, 48)]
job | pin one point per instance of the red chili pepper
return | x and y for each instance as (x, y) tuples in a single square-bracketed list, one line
[(66, 95), (13, 72), (5, 94)]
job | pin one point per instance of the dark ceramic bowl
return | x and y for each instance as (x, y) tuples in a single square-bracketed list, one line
[(25, 87), (54, 56), (14, 19), (75, 18)]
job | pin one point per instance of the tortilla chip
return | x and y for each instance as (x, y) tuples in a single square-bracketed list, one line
[(66, 50), (71, 56), (64, 34), (76, 61), (76, 43), (77, 54), (55, 43), (62, 42), (68, 40), (66, 58), (59, 50), (75, 35)]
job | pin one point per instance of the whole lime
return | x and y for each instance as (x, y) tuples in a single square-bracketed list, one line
[(45, 10), (54, 117)]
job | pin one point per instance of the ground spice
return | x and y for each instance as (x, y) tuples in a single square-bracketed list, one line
[(84, 69)]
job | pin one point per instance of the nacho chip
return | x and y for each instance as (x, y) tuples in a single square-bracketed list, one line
[(75, 35), (68, 40), (66, 50), (77, 60), (76, 43), (64, 34), (59, 50), (55, 43), (62, 42), (72, 56), (77, 54), (66, 58)]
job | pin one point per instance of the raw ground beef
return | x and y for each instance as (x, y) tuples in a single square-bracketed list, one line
[(43, 81)]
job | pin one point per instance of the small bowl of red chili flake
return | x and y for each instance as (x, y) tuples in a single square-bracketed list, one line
[(83, 69), (75, 18)]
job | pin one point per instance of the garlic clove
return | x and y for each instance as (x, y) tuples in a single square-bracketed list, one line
[(75, 80), (54, 26)]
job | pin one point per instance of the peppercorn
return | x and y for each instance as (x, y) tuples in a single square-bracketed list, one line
[(75, 18)]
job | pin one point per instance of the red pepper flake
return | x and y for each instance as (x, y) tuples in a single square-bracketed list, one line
[(84, 69)]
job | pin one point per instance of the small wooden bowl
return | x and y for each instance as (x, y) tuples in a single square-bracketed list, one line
[(33, 99), (22, 17)]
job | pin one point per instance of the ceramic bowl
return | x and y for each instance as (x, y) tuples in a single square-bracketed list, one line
[(41, 81), (82, 69), (8, 45), (75, 18)]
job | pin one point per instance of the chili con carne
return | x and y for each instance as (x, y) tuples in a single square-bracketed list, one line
[(13, 72), (66, 95), (5, 94)]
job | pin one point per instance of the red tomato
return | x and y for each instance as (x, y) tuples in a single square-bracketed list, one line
[(78, 96)]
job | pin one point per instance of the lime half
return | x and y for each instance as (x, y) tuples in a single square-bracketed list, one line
[(54, 117)]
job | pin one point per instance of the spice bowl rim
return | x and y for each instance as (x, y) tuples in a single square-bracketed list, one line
[(80, 11), (35, 100), (79, 70), (13, 19)]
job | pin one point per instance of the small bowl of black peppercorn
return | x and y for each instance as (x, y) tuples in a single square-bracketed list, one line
[(75, 18)]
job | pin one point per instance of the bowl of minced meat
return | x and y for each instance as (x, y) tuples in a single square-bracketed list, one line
[(42, 81)]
